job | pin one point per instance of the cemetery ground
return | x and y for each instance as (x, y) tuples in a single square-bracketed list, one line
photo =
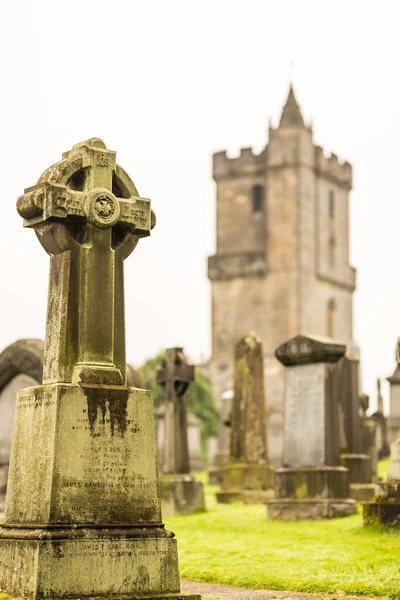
[(236, 544)]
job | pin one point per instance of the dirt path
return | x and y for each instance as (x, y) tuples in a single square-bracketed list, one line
[(229, 591)]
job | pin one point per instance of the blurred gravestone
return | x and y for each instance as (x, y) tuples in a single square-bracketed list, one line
[(247, 475), (180, 491), (312, 483)]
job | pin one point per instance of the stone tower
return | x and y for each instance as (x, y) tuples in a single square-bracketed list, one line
[(282, 262)]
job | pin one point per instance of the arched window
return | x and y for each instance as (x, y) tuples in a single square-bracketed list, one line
[(331, 204), (257, 198), (331, 318), (332, 251)]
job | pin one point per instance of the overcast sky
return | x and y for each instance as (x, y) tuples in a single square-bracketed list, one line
[(167, 83)]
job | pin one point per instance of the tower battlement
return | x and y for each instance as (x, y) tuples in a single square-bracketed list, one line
[(247, 163), (332, 168)]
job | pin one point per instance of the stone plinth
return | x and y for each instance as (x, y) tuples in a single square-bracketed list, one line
[(312, 483), (83, 496), (254, 484), (360, 476), (181, 494), (386, 507), (248, 476)]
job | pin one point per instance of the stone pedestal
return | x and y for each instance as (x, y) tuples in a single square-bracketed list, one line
[(385, 509), (82, 506), (182, 494), (312, 483), (253, 484), (360, 476), (316, 492)]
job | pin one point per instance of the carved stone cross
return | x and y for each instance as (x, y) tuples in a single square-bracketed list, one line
[(175, 375), (89, 217)]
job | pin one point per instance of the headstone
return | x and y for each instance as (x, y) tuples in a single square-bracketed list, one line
[(312, 482), (380, 419), (212, 449), (248, 476), (393, 421), (386, 507), (358, 463), (21, 366), (194, 440), (83, 512), (368, 436), (180, 491), (223, 438)]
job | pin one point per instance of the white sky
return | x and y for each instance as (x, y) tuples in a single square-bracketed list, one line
[(167, 83)]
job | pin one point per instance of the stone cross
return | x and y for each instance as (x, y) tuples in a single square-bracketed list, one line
[(88, 216), (175, 375)]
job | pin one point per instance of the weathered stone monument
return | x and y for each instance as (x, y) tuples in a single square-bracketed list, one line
[(380, 419), (386, 507), (312, 482), (368, 436), (393, 422), (21, 366), (83, 514), (357, 462), (223, 437), (180, 491), (248, 476)]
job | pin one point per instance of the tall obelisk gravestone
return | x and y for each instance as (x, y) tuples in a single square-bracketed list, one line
[(83, 513), (248, 476), (180, 491)]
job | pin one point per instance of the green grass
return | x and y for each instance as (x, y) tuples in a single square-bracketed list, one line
[(236, 544)]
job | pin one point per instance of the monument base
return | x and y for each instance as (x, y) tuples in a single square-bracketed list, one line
[(359, 467), (311, 492), (362, 492), (382, 513), (385, 509), (310, 508), (88, 562), (214, 475), (252, 483), (181, 494)]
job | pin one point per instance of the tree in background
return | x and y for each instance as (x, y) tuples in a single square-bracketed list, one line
[(199, 397)]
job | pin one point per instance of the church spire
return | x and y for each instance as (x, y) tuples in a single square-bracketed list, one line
[(291, 115)]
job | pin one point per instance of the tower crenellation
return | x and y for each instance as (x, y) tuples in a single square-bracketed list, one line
[(281, 265)]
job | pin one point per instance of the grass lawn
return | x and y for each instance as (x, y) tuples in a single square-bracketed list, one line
[(236, 544)]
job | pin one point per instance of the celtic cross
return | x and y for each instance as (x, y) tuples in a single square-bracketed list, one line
[(88, 216), (175, 375)]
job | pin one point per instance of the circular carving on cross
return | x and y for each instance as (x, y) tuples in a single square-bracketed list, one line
[(102, 208)]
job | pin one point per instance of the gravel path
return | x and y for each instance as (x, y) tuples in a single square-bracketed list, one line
[(229, 591)]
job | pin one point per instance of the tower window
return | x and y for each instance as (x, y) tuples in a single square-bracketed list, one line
[(331, 318), (331, 204), (332, 248), (257, 197)]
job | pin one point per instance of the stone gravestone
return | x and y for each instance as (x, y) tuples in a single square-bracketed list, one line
[(83, 513), (223, 438), (368, 436), (194, 442), (380, 419), (393, 422), (21, 366), (358, 463), (386, 507), (312, 482), (248, 476), (180, 491)]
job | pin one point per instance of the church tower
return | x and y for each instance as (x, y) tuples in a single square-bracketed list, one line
[(282, 255)]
